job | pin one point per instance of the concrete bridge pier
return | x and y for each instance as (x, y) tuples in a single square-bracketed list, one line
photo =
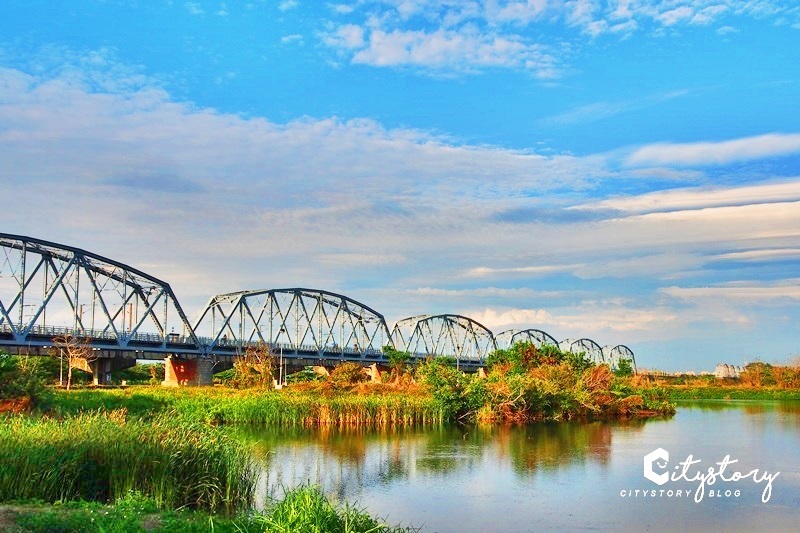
[(187, 372), (102, 367)]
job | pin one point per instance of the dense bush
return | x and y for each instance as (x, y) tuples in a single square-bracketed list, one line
[(527, 383), (22, 378)]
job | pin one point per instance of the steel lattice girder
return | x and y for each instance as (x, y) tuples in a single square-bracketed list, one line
[(539, 338), (614, 353), (45, 286), (308, 320), (445, 335), (588, 347)]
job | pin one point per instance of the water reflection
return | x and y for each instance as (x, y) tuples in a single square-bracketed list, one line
[(545, 476), (345, 462)]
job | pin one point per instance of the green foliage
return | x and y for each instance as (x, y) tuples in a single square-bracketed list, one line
[(306, 375), (22, 377), (347, 374), (758, 374), (287, 408), (447, 384), (102, 456), (307, 509), (140, 374), (526, 383), (624, 368), (303, 509), (525, 355), (397, 359)]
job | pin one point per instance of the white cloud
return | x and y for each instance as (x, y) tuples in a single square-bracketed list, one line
[(674, 16), (286, 5), (194, 8), (709, 14), (294, 38), (726, 30), (340, 204), (469, 36), (603, 322), (746, 291), (765, 254), (716, 153), (349, 36), (461, 50), (700, 198), (537, 270)]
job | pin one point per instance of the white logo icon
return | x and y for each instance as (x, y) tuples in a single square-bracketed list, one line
[(659, 454)]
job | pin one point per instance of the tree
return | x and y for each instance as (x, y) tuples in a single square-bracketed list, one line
[(78, 351), (624, 368), (397, 359), (255, 368)]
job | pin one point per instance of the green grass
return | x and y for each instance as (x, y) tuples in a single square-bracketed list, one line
[(729, 393), (303, 509), (222, 406), (103, 456), (306, 509)]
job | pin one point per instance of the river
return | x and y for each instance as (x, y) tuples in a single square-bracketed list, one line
[(569, 475)]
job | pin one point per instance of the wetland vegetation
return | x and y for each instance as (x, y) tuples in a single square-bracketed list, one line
[(176, 451)]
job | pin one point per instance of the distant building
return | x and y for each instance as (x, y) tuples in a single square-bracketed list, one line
[(725, 371)]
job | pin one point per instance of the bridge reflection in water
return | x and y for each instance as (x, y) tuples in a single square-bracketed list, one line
[(49, 290)]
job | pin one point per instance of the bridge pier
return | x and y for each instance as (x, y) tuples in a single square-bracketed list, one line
[(187, 372), (101, 368)]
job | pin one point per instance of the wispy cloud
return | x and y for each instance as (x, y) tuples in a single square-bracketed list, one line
[(286, 5), (717, 153), (602, 110), (470, 36), (747, 291), (702, 198), (194, 8)]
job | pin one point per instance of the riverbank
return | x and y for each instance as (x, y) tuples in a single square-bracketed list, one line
[(176, 447), (302, 509), (728, 392)]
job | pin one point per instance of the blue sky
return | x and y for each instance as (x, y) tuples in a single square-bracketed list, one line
[(625, 171)]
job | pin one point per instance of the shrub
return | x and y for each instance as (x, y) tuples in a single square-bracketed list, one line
[(21, 377), (347, 374)]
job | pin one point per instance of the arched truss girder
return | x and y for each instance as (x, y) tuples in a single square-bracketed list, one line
[(507, 339), (49, 289), (448, 335), (614, 353), (297, 319), (587, 346)]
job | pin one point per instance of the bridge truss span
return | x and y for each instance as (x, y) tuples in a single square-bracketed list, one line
[(445, 335), (588, 347), (613, 354), (302, 321), (507, 339), (48, 290)]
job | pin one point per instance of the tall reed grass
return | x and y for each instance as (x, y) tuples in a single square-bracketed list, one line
[(219, 406), (103, 456)]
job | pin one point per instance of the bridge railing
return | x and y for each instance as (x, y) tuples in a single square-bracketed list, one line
[(53, 332)]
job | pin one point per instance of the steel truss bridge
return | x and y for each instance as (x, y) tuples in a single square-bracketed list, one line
[(48, 290)]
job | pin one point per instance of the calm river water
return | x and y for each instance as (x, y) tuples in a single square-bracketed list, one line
[(574, 476)]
